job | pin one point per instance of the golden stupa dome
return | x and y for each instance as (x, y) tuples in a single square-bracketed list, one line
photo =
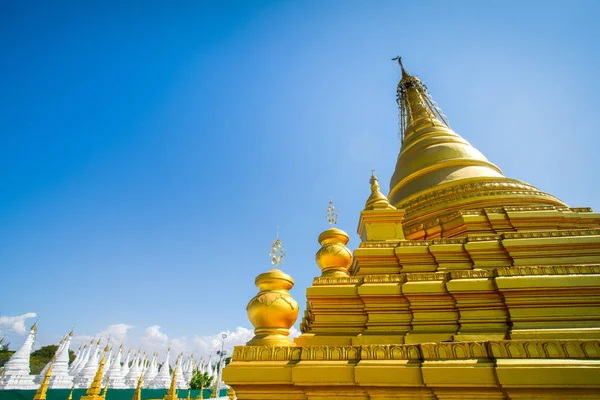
[(439, 172)]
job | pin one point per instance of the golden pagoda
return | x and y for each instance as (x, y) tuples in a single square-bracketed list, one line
[(172, 392), (94, 391), (466, 285), (40, 394)]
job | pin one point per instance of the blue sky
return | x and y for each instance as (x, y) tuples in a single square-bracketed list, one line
[(149, 153)]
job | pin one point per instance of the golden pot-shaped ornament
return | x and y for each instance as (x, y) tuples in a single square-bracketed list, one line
[(272, 311), (334, 258)]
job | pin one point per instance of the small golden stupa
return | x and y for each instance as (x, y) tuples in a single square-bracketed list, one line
[(466, 285), (40, 394), (273, 311), (95, 389)]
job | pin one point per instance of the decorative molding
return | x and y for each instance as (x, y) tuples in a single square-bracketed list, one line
[(384, 278), (330, 353), (585, 349), (473, 274), (553, 233), (413, 229), (549, 270), (390, 352), (494, 210), (582, 209), (483, 238), (450, 217), (409, 243), (450, 241), (432, 223), (472, 213), (378, 244), (427, 276), (495, 349), (271, 297), (535, 208), (451, 194), (266, 353), (454, 350), (337, 280)]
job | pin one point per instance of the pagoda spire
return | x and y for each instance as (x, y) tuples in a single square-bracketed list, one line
[(41, 392), (95, 387), (137, 395), (377, 200), (438, 171), (172, 392), (416, 105)]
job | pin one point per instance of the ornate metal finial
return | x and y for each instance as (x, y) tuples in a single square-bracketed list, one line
[(277, 253), (399, 59), (330, 215), (373, 178)]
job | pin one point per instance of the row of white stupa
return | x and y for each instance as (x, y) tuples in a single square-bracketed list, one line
[(16, 373)]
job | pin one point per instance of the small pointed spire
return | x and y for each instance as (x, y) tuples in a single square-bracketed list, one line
[(172, 392), (137, 395), (377, 200), (71, 393), (103, 395), (41, 392)]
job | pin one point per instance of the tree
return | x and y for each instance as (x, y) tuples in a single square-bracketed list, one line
[(43, 355), (46, 352), (5, 354), (200, 380)]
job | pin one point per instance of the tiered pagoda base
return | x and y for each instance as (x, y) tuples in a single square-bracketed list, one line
[(503, 369)]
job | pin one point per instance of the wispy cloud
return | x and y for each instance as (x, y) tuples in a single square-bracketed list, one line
[(114, 335), (16, 324)]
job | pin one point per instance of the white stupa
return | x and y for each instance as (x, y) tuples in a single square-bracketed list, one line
[(151, 371), (77, 359), (125, 367), (76, 369), (180, 379), (163, 378), (114, 378), (60, 378), (209, 368), (189, 370), (132, 378), (86, 376), (144, 364), (16, 373), (108, 363)]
